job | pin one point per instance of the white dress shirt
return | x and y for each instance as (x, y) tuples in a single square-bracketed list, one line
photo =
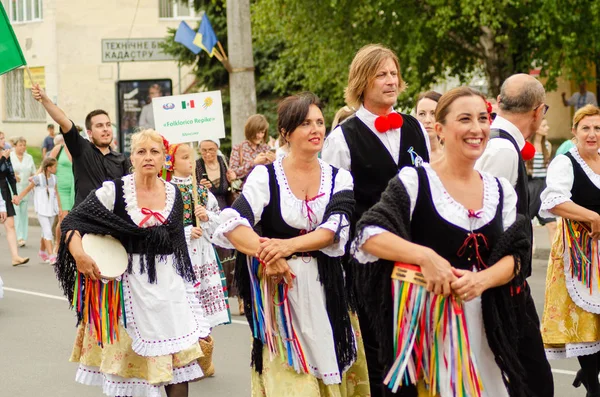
[(500, 158), (336, 151)]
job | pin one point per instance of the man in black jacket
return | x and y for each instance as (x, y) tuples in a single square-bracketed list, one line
[(94, 162)]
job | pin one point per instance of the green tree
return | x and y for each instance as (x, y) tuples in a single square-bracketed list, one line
[(433, 39), (211, 75), (308, 45)]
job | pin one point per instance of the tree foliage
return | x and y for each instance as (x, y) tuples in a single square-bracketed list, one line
[(308, 45), (433, 39)]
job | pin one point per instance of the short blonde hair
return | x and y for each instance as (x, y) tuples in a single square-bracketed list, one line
[(341, 115), (255, 124), (147, 135), (586, 111), (364, 69)]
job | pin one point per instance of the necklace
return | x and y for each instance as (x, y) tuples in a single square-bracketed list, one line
[(212, 168)]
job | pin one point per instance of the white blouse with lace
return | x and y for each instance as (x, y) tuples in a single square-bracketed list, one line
[(455, 213), (559, 181), (163, 317), (307, 298)]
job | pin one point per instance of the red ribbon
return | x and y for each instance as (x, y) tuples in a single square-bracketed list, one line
[(149, 214), (309, 212), (472, 238), (473, 214)]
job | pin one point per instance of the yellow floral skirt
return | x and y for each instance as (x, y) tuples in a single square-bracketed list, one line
[(563, 322), (280, 380), (119, 359)]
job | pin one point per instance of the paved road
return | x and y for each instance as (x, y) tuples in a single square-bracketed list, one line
[(37, 332)]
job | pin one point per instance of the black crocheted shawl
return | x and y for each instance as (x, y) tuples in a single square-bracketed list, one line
[(502, 312), (91, 216), (331, 276)]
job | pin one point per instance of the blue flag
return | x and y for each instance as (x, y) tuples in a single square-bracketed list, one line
[(186, 35), (206, 38)]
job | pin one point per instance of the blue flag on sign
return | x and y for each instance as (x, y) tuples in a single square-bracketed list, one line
[(185, 35), (206, 38)]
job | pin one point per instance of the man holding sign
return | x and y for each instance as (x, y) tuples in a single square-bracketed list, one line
[(94, 162)]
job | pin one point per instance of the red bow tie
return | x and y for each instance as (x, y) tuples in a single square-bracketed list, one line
[(390, 122), (528, 151)]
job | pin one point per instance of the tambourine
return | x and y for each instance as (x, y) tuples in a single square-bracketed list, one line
[(108, 253)]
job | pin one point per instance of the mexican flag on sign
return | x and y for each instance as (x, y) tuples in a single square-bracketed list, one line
[(11, 56)]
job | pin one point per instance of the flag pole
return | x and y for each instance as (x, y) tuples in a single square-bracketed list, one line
[(30, 78), (222, 50)]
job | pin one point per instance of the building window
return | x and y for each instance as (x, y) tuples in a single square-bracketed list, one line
[(176, 9), (20, 11), (18, 101)]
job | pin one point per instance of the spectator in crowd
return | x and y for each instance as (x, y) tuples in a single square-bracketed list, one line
[(581, 98), (147, 114), (254, 150), (93, 161), (212, 173), (48, 144), (425, 112), (8, 190), (536, 170), (65, 181), (24, 168)]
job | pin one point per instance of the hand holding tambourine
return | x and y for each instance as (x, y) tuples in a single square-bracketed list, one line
[(105, 257)]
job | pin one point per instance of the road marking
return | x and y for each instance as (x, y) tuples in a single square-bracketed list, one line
[(22, 291), (62, 298), (233, 321), (564, 372)]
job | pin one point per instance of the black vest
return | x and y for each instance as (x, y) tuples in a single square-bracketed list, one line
[(272, 223), (428, 228), (372, 166), (521, 187), (584, 192)]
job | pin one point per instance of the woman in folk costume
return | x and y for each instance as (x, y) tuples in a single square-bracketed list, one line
[(571, 319), (290, 276), (210, 289), (461, 228), (141, 332)]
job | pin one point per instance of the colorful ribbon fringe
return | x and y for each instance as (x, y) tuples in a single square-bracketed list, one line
[(583, 252), (272, 318), (430, 339), (100, 304)]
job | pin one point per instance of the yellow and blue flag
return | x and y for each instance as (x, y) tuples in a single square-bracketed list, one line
[(186, 36), (206, 37)]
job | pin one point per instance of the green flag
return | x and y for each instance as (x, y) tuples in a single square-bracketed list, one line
[(11, 56)]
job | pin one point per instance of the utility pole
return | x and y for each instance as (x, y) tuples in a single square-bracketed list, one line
[(241, 78)]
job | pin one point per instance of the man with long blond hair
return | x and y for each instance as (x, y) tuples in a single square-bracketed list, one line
[(374, 145)]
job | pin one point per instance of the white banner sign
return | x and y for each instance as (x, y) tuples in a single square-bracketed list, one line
[(189, 118)]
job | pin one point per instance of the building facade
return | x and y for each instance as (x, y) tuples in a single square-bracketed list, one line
[(62, 40)]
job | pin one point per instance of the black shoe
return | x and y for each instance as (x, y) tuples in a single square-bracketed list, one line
[(578, 381)]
